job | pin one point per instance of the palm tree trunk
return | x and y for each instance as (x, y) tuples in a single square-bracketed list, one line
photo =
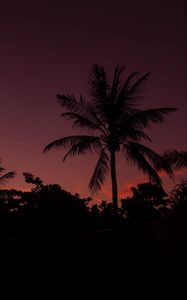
[(114, 181)]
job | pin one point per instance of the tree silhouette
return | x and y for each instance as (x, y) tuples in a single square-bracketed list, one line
[(136, 208), (149, 192), (148, 201), (30, 178), (115, 124)]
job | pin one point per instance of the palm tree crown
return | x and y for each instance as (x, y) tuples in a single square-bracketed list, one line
[(114, 123)]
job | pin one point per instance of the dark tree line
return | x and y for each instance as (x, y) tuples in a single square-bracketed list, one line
[(48, 211)]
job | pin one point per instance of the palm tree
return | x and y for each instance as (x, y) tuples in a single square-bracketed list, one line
[(5, 177), (113, 123), (177, 159)]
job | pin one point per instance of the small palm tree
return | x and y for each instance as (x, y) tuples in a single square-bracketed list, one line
[(115, 124), (5, 177)]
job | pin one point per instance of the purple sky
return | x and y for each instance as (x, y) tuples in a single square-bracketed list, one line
[(48, 47)]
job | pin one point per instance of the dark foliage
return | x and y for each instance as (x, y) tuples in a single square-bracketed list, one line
[(179, 195), (148, 201)]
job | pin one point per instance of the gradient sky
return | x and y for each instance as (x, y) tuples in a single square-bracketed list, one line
[(48, 47)]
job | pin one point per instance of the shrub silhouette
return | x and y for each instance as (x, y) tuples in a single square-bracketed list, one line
[(147, 202)]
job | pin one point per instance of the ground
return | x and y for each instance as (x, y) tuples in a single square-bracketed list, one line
[(142, 261)]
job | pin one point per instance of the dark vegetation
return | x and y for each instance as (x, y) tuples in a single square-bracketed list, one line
[(48, 211), (57, 245)]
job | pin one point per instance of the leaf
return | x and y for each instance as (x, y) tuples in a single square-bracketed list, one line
[(100, 172), (81, 121), (5, 177), (98, 89), (177, 159), (116, 84), (78, 144), (140, 161), (129, 94), (144, 118), (83, 147)]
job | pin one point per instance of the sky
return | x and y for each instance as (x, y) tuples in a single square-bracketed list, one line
[(49, 47)]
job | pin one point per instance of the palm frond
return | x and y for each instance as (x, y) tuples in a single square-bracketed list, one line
[(137, 86), (116, 84), (128, 96), (91, 144), (97, 83), (100, 172), (144, 118), (133, 155), (129, 93), (98, 89), (81, 121), (77, 143), (128, 132), (80, 106), (177, 159), (68, 101), (7, 176), (158, 161), (123, 92)]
